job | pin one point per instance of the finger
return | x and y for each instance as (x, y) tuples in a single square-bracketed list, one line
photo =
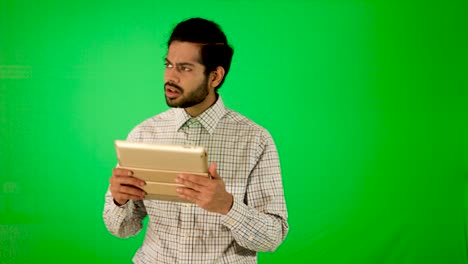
[(130, 190), (128, 180), (212, 171), (188, 194), (121, 172), (125, 196), (196, 179), (190, 184)]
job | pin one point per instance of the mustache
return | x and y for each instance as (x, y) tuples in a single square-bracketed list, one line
[(173, 85)]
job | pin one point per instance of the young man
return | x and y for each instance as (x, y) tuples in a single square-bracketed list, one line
[(239, 211)]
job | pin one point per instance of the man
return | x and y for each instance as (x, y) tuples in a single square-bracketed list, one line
[(239, 211)]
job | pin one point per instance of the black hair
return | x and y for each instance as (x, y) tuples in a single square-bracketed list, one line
[(215, 50)]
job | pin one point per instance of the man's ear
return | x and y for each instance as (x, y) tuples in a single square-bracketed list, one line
[(216, 76)]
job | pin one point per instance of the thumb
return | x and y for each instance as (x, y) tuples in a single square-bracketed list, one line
[(212, 171)]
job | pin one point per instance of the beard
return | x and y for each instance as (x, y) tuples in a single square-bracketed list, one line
[(185, 100)]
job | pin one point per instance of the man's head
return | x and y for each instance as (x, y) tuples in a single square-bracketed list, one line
[(198, 60)]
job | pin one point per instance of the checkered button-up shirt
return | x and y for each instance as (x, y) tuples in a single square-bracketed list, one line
[(247, 161)]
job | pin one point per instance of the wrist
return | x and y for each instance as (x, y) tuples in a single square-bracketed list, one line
[(120, 202), (229, 203)]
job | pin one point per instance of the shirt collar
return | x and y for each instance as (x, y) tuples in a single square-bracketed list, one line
[(208, 119)]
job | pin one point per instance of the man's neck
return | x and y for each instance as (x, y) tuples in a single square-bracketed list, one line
[(209, 101)]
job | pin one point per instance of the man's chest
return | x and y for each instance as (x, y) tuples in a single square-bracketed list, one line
[(234, 151)]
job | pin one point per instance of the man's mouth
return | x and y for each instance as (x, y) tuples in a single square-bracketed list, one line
[(172, 91)]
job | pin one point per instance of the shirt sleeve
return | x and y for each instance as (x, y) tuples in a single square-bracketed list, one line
[(259, 221), (126, 220)]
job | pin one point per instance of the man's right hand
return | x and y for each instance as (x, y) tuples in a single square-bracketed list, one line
[(124, 187)]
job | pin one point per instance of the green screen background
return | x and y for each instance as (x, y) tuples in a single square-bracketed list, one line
[(366, 101)]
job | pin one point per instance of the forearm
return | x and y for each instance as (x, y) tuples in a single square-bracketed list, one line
[(123, 221), (255, 230)]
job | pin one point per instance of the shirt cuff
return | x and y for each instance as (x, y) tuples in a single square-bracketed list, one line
[(120, 210), (121, 206), (236, 216)]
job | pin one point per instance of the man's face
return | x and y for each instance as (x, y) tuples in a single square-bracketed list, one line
[(185, 84)]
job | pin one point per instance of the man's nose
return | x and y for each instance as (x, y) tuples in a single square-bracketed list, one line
[(171, 75)]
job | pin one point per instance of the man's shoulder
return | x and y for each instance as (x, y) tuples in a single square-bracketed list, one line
[(166, 116), (162, 120), (233, 118)]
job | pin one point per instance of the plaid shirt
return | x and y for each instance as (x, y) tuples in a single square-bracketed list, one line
[(247, 160)]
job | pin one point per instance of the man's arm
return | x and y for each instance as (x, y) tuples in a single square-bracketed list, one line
[(257, 221), (123, 209), (126, 220)]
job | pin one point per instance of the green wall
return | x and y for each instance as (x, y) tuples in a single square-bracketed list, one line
[(366, 100)]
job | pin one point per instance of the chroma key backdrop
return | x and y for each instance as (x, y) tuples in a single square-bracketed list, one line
[(366, 101)]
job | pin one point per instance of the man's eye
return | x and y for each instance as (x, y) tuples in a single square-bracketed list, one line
[(168, 65), (183, 68)]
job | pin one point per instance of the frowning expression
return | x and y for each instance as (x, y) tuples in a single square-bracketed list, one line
[(185, 82)]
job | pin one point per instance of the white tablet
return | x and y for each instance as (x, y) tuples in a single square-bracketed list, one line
[(159, 164)]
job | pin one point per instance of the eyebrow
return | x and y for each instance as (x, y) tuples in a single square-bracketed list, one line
[(180, 63)]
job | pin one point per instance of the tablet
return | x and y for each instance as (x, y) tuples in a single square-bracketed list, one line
[(159, 164)]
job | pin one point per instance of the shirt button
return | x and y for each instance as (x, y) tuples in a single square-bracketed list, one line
[(186, 235), (187, 205), (251, 237)]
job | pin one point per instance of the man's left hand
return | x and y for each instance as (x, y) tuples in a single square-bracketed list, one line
[(209, 194)]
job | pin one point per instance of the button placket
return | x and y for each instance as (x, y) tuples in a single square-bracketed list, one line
[(193, 132), (186, 226), (192, 137)]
